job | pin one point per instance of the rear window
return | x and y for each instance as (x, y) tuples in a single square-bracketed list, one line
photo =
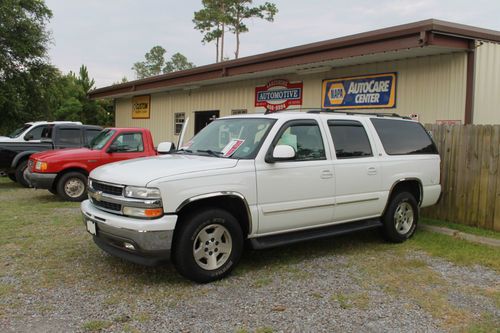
[(403, 137), (69, 137)]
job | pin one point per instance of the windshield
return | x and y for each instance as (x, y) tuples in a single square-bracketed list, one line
[(18, 131), (101, 139), (233, 137)]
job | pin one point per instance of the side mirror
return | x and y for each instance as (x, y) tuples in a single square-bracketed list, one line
[(28, 137), (281, 153), (113, 148), (165, 147)]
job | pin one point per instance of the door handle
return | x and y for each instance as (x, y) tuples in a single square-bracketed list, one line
[(326, 174), (372, 171)]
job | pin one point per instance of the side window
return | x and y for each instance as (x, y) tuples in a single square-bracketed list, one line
[(401, 137), (69, 137), (179, 118), (129, 142), (36, 133), (305, 139), (350, 139), (90, 134)]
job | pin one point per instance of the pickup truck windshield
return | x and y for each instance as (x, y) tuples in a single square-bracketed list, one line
[(233, 137), (18, 131), (101, 139)]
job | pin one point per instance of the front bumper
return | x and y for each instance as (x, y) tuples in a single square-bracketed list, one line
[(145, 242), (40, 180)]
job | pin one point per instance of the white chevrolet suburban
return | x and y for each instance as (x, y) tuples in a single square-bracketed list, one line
[(264, 180)]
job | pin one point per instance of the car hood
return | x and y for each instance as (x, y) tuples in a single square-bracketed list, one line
[(139, 172), (64, 154)]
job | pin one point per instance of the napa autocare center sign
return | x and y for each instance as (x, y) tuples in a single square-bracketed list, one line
[(278, 95), (360, 92)]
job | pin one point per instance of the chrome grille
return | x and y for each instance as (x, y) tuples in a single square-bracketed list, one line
[(107, 188), (107, 205)]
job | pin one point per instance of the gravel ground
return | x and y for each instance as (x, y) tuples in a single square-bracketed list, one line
[(328, 293)]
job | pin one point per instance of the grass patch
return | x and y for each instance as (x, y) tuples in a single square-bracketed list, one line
[(359, 300), (96, 325), (460, 252), (462, 228), (487, 324), (411, 279)]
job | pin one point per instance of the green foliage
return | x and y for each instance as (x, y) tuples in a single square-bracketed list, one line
[(155, 63), (23, 35), (241, 10), (32, 89), (216, 15)]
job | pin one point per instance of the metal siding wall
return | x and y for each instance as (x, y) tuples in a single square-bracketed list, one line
[(487, 84), (433, 87)]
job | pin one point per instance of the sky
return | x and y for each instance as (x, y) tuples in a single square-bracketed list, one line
[(109, 36)]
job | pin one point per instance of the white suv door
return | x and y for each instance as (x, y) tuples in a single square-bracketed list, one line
[(357, 170), (296, 193)]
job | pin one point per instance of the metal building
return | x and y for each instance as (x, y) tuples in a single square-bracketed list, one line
[(435, 71)]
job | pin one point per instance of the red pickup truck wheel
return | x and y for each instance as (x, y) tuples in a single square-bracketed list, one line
[(72, 186)]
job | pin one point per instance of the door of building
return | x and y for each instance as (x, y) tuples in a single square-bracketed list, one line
[(203, 118)]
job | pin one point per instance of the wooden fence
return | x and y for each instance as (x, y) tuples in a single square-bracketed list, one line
[(470, 176)]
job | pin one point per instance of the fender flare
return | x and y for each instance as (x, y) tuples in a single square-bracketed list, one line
[(20, 157), (220, 194)]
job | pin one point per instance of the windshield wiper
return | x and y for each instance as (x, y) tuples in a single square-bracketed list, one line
[(210, 152)]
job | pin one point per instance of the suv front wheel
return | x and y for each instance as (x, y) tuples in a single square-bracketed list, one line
[(401, 217), (208, 245)]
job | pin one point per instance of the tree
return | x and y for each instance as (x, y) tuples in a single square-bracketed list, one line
[(216, 15), (211, 21), (155, 63), (241, 10), (177, 62), (23, 35), (25, 76)]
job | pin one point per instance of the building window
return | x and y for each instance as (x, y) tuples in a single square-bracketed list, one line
[(179, 118), (238, 111)]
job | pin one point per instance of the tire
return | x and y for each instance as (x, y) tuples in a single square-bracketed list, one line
[(53, 191), (21, 167), (12, 176), (401, 218), (72, 186), (216, 236)]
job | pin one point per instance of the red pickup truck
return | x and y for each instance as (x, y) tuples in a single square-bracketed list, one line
[(64, 172)]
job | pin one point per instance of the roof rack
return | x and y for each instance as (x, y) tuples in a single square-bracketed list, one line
[(321, 110), (377, 114)]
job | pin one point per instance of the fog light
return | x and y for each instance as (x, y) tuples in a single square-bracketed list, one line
[(129, 246)]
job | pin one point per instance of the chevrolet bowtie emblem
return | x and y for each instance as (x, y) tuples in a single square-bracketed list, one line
[(98, 195)]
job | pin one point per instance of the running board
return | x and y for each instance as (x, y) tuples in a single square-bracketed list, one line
[(265, 242)]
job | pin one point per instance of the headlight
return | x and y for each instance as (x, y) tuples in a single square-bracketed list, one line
[(143, 212), (41, 166), (142, 192)]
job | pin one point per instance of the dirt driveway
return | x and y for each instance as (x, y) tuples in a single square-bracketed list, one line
[(54, 279)]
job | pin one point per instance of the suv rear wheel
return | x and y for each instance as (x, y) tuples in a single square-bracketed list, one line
[(208, 245), (72, 186), (400, 219)]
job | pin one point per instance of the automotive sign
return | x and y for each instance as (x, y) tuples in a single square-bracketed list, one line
[(141, 107), (360, 92), (278, 95)]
